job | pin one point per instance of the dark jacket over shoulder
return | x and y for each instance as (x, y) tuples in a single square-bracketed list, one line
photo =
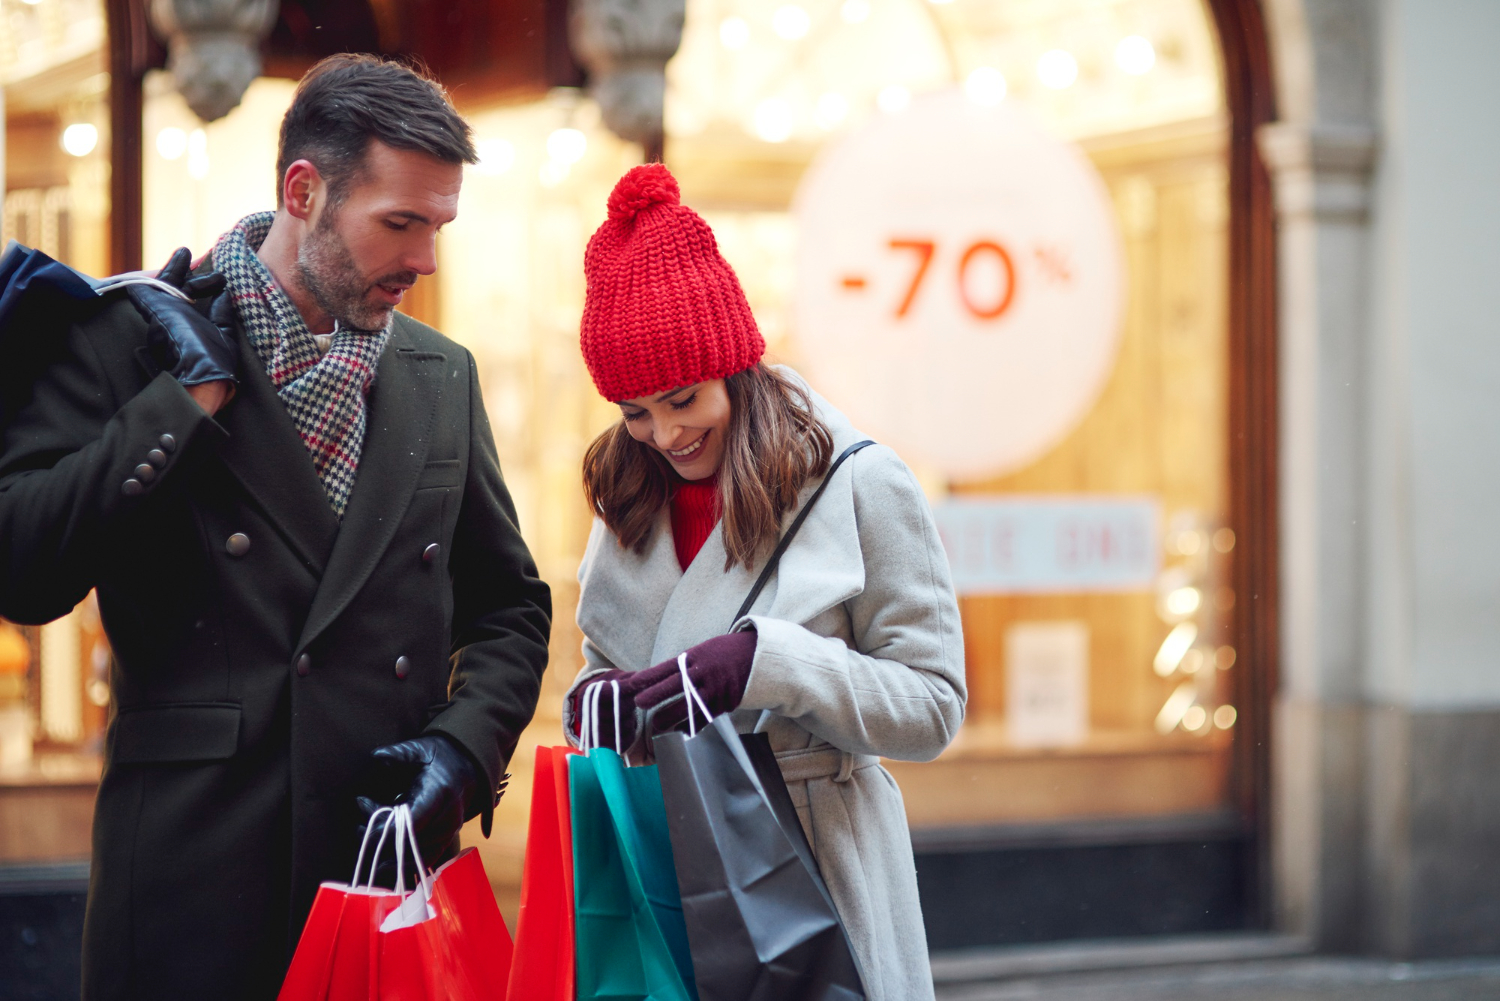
[(262, 649)]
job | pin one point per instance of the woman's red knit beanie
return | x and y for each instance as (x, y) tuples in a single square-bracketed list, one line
[(663, 307)]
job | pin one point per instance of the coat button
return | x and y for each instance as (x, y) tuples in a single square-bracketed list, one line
[(238, 544), (156, 457), (132, 488), (403, 667), (168, 442), (145, 473), (431, 553), (304, 666)]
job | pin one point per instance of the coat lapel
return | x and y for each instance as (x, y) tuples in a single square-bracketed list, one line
[(705, 600), (266, 454), (403, 404), (623, 594)]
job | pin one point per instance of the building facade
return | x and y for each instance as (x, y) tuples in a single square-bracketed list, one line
[(1282, 717)]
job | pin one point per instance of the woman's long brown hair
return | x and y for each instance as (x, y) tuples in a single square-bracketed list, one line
[(773, 446)]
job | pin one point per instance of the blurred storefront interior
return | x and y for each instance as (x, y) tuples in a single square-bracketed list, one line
[(1115, 774)]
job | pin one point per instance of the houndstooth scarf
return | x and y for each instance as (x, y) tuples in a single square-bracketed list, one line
[(325, 394)]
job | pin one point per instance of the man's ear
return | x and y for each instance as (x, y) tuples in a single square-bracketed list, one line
[(303, 190)]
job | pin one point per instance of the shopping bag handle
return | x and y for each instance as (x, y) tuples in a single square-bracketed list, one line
[(406, 840), (588, 736), (690, 695), (359, 862), (399, 818)]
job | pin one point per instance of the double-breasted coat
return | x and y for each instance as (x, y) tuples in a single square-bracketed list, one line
[(261, 648), (859, 654)]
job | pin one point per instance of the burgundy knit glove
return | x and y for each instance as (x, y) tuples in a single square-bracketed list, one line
[(719, 668), (631, 682)]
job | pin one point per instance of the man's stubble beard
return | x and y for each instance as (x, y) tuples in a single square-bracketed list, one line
[(328, 273)]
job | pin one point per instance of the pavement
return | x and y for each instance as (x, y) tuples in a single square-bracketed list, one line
[(1303, 978)]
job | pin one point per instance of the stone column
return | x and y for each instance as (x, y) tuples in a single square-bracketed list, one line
[(1321, 156)]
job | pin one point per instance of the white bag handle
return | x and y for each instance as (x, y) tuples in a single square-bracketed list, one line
[(588, 734), (397, 818), (406, 831), (585, 731), (364, 843), (690, 695)]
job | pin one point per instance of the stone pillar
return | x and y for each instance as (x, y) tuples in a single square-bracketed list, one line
[(1322, 177), (1321, 154)]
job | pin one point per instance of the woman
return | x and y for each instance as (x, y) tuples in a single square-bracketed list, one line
[(852, 651)]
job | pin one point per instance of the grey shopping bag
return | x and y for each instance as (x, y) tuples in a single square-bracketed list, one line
[(761, 924)]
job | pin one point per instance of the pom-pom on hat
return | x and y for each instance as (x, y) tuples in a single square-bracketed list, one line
[(663, 308)]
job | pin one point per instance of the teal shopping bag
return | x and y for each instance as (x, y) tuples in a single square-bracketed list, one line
[(631, 941)]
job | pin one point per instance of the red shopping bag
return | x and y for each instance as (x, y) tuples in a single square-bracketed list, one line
[(542, 966), (443, 941), (447, 941), (336, 956)]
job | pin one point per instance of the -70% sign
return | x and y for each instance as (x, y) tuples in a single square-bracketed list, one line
[(958, 284)]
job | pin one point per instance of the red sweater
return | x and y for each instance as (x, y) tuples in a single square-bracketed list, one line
[(695, 512)]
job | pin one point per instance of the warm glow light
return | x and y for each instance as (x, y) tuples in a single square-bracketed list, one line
[(1184, 601), (171, 143), (893, 99), (1224, 540), (1224, 658), (773, 120), (1057, 69), (552, 173), (33, 3), (1135, 55), (1195, 718), (985, 86), (197, 151), (855, 11), (1175, 707), (833, 108), (1224, 717), (734, 33), (790, 22), (1177, 643), (80, 139), (496, 156), (567, 146)]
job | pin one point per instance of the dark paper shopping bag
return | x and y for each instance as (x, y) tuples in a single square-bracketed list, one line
[(542, 964), (631, 943), (760, 920)]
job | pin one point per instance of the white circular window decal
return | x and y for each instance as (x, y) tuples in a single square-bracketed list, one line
[(958, 283)]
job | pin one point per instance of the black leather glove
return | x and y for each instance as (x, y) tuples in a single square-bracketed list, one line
[(184, 342), (434, 776)]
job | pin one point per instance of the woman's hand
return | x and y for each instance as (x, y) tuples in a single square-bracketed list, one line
[(630, 683), (719, 668)]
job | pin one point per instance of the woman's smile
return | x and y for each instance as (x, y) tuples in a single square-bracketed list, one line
[(686, 454)]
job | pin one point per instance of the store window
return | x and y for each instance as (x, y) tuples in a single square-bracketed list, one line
[(1090, 696), (1095, 674)]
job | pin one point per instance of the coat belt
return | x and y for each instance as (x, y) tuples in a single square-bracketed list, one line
[(822, 763)]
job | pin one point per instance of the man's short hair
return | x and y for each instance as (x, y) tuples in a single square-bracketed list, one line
[(349, 99)]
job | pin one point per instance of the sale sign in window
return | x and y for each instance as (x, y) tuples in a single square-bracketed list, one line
[(959, 283), (1018, 544)]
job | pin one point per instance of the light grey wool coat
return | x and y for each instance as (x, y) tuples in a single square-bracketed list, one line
[(859, 654)]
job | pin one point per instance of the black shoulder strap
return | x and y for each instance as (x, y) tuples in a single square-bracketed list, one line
[(786, 540)]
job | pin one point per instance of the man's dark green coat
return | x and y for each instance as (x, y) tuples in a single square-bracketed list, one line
[(251, 682)]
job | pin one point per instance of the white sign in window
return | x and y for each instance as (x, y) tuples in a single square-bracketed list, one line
[(1037, 544), (1047, 683)]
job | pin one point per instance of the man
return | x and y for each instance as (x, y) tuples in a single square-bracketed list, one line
[(290, 504)]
